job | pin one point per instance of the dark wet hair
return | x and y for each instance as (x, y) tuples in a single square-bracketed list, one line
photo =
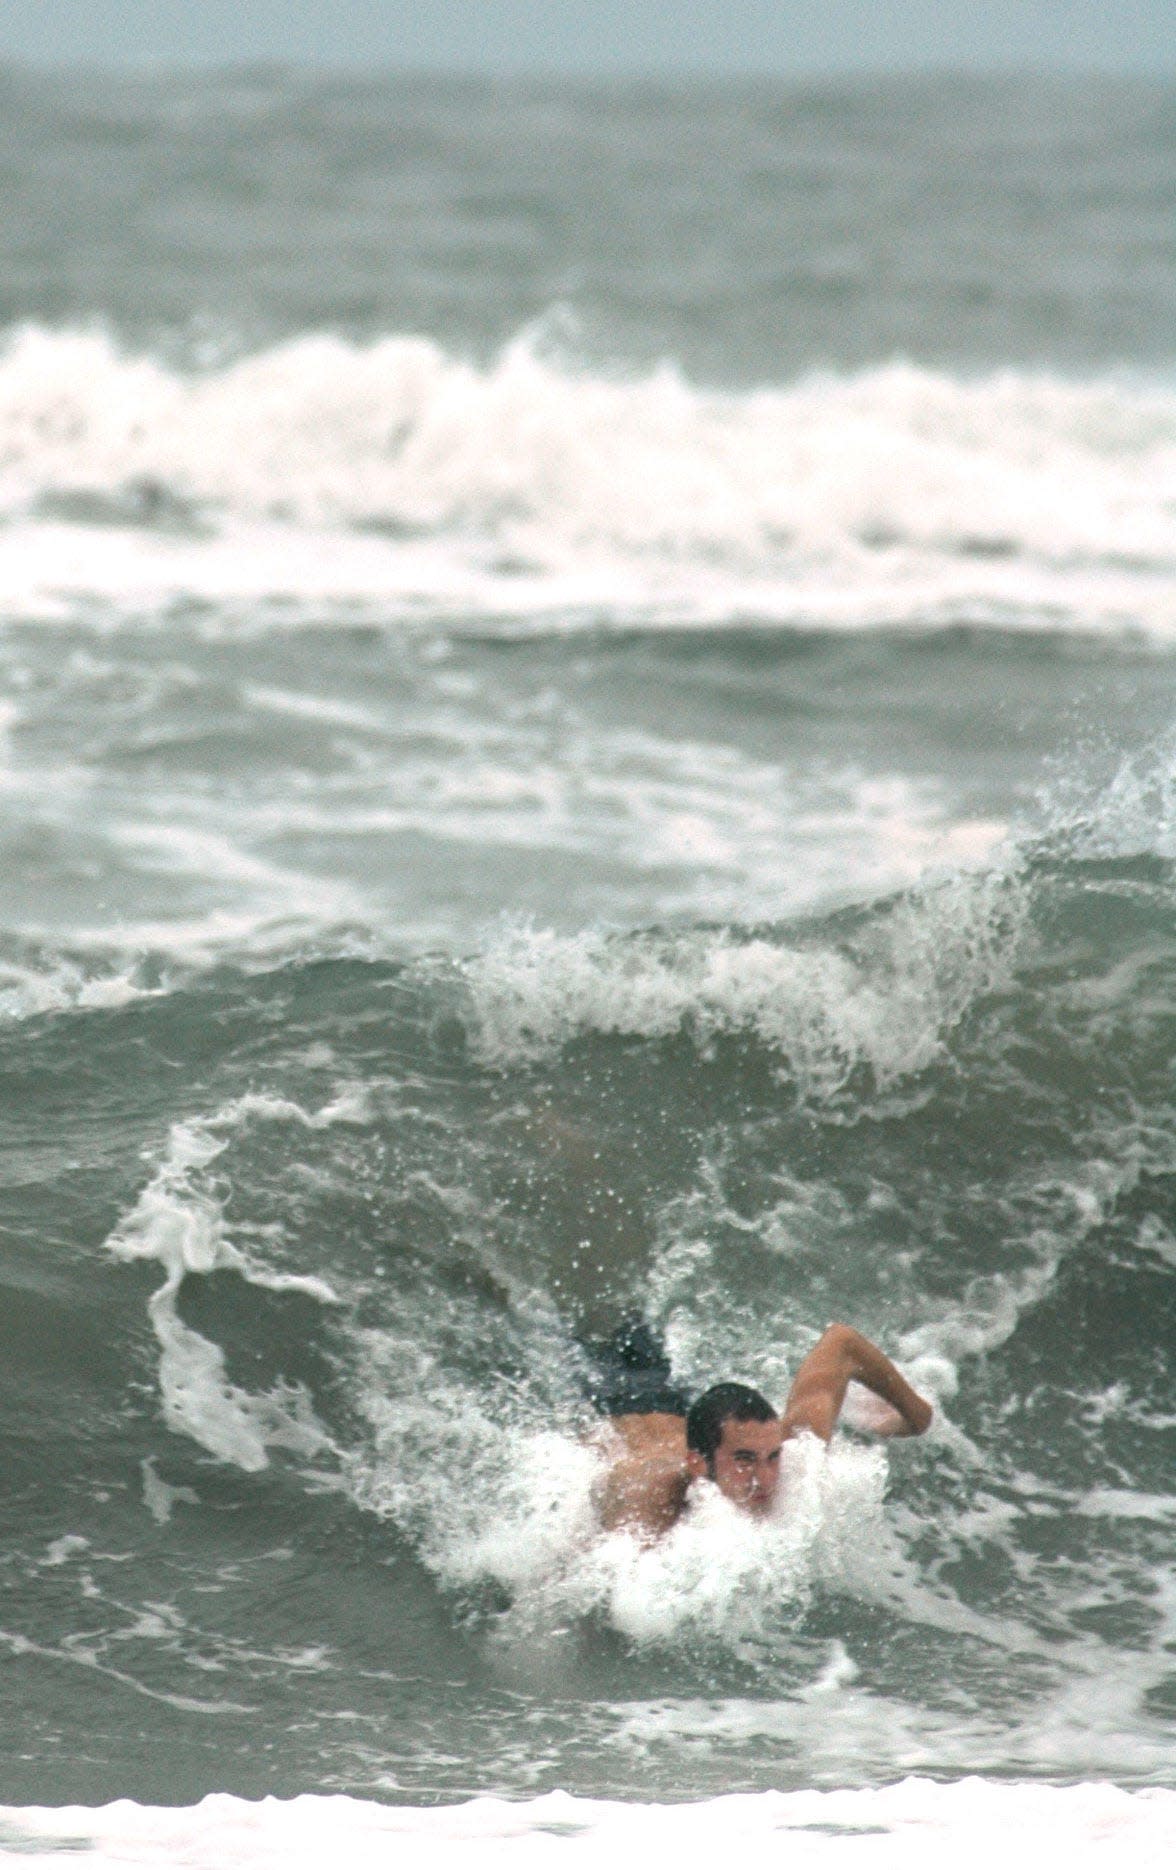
[(723, 1402)]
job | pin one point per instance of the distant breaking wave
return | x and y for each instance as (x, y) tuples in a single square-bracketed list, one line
[(399, 474)]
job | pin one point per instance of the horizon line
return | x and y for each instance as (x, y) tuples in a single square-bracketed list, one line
[(293, 65)]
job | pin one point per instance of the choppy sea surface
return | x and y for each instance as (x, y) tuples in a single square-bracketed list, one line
[(588, 704)]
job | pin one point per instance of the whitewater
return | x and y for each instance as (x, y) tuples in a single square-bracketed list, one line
[(537, 494), (587, 728)]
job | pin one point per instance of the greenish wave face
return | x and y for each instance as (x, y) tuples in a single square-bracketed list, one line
[(296, 1263)]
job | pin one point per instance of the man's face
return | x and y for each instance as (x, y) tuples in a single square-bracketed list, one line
[(746, 1465)]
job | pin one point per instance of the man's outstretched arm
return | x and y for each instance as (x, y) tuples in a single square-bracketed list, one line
[(842, 1357)]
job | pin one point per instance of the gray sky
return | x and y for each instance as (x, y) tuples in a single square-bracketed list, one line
[(584, 36)]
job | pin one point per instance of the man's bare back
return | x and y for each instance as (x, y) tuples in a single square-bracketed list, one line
[(733, 1437)]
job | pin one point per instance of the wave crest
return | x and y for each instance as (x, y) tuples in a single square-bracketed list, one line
[(884, 1000), (851, 499)]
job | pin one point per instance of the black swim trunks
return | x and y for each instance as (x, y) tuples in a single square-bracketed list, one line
[(628, 1373)]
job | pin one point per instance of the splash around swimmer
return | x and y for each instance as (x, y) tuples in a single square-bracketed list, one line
[(656, 1448)]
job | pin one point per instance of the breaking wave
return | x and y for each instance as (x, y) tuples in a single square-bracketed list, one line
[(398, 473)]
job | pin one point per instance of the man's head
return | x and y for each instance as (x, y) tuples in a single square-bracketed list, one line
[(733, 1436)]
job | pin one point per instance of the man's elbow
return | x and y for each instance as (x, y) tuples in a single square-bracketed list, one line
[(844, 1344), (840, 1337)]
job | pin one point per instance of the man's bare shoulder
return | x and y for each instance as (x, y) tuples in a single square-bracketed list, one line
[(644, 1487), (648, 1434)]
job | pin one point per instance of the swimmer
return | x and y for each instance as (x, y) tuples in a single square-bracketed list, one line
[(732, 1435)]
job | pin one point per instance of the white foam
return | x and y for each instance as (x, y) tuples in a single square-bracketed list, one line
[(1121, 1503), (159, 1497), (836, 1725), (917, 1824), (533, 488), (1134, 812), (722, 1575), (76, 1655), (494, 1499), (825, 1009), (52, 984), (178, 1221), (62, 1550), (1067, 1213)]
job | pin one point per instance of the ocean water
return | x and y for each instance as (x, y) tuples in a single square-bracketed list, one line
[(587, 726)]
